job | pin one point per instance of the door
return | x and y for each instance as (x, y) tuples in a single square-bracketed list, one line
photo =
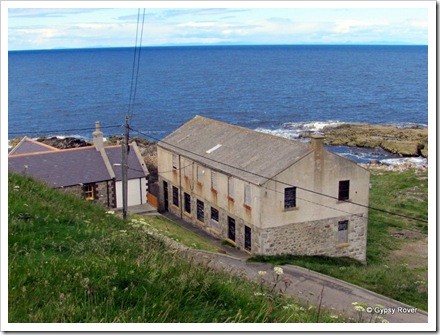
[(165, 195), (247, 238), (231, 229)]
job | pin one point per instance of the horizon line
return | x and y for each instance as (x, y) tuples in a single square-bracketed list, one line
[(222, 45)]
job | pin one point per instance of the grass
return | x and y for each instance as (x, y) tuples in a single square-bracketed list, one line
[(176, 232), (70, 261), (405, 193)]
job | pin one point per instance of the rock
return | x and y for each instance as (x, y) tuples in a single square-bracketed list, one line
[(64, 143), (409, 142)]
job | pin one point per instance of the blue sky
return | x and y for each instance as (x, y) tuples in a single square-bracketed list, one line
[(229, 23)]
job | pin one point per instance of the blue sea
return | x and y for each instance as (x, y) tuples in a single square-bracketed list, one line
[(276, 89)]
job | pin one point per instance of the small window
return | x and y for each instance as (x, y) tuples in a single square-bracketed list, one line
[(231, 229), (200, 173), (247, 194), (187, 204), (214, 214), (231, 187), (290, 197), (247, 238), (175, 196), (214, 180), (175, 162), (89, 191), (342, 231), (200, 211), (214, 219), (344, 190)]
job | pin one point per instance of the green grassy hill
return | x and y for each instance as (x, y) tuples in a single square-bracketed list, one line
[(70, 261)]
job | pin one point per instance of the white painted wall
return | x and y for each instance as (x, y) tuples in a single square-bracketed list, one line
[(137, 192)]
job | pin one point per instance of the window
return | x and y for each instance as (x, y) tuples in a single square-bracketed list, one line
[(214, 219), (247, 238), (213, 180), (175, 162), (175, 196), (290, 197), (247, 194), (200, 174), (200, 211), (231, 229), (89, 191), (231, 187), (344, 190), (187, 204), (343, 232), (214, 214)]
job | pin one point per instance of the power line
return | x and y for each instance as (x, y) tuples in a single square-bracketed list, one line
[(135, 66), (284, 183), (62, 131)]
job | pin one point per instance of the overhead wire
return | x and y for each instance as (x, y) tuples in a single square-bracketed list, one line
[(284, 183), (63, 130), (135, 66)]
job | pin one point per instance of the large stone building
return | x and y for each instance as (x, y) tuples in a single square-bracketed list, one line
[(265, 194)]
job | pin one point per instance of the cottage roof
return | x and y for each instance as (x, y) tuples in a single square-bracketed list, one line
[(247, 154), (136, 165), (83, 165), (27, 145)]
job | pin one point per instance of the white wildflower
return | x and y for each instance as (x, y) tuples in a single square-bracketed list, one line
[(359, 308), (110, 212), (261, 273), (278, 270)]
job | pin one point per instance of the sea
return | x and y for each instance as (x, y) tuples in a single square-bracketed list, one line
[(282, 90)]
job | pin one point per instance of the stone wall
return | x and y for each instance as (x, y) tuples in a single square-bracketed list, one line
[(104, 192), (317, 238)]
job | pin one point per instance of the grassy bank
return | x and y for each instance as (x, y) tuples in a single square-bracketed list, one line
[(70, 261), (401, 276)]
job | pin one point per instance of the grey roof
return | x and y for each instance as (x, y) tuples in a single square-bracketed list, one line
[(75, 166), (27, 145), (247, 154), (63, 167), (135, 169)]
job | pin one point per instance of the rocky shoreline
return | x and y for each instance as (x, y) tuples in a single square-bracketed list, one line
[(405, 142)]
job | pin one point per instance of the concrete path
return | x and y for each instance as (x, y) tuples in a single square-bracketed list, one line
[(306, 285)]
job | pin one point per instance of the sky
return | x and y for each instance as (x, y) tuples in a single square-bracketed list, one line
[(171, 23)]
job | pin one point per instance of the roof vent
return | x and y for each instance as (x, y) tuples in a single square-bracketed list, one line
[(213, 148)]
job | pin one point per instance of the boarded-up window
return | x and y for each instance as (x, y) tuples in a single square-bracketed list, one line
[(344, 190), (213, 180), (175, 162), (343, 231), (247, 194), (290, 197), (175, 196), (231, 187), (231, 229), (200, 211), (187, 204), (187, 168), (199, 173)]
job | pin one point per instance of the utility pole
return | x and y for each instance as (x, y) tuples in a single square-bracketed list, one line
[(125, 171)]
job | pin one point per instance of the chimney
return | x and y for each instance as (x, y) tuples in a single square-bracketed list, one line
[(318, 148), (317, 141), (98, 139)]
